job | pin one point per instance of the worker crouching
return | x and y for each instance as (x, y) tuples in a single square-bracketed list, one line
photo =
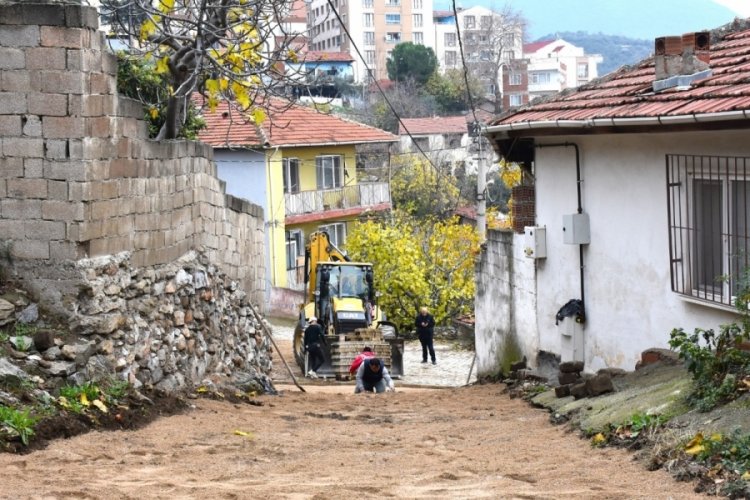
[(373, 376)]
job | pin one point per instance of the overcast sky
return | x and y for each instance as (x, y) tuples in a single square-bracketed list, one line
[(741, 7)]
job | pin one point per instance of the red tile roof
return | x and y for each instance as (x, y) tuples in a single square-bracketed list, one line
[(529, 48), (286, 125), (627, 94), (434, 125), (318, 55)]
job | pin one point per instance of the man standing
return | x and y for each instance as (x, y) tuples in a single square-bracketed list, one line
[(425, 324), (373, 375), (314, 341)]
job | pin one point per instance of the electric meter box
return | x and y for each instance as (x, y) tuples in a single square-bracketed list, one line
[(535, 246), (576, 229)]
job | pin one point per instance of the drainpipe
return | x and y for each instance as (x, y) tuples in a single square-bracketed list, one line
[(580, 207)]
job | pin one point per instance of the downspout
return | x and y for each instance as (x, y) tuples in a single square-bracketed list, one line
[(580, 207)]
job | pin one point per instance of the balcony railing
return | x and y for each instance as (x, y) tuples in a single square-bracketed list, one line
[(366, 194)]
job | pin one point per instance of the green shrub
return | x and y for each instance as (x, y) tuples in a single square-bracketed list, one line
[(17, 423)]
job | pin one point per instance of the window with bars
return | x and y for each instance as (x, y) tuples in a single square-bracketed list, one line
[(393, 19), (419, 37), (416, 20), (328, 172), (368, 20), (336, 233), (709, 225), (369, 38), (291, 175), (450, 39)]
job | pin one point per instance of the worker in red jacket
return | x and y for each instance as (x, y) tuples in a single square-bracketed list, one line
[(366, 353)]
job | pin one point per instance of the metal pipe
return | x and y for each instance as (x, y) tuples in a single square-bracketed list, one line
[(580, 205)]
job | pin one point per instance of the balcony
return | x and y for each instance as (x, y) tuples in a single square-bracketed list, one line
[(353, 199)]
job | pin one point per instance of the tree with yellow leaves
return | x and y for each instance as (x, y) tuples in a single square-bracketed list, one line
[(223, 49), (422, 188), (417, 263)]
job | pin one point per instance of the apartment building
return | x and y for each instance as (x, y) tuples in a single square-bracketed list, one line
[(555, 65), (376, 27)]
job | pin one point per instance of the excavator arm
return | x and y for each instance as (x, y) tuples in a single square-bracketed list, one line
[(319, 249)]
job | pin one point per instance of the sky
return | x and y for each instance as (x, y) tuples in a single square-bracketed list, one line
[(739, 7)]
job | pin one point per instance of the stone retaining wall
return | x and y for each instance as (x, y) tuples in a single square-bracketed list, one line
[(79, 177)]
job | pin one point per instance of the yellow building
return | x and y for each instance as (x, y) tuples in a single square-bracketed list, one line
[(300, 165)]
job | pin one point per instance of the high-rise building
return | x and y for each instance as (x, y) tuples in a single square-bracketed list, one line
[(376, 27), (556, 65)]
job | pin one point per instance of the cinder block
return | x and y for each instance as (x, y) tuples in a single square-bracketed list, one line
[(3, 191), (12, 229), (65, 170), (11, 167), (98, 127), (46, 58), (63, 127), (30, 249), (33, 168), (47, 104), (12, 208), (19, 36), (104, 209), (81, 16), (62, 210), (10, 125), (56, 82), (109, 190), (64, 250), (44, 230), (89, 230), (44, 14), (55, 36), (22, 146), (27, 188), (12, 58), (102, 83), (56, 149), (15, 81), (12, 103), (11, 14), (57, 190)]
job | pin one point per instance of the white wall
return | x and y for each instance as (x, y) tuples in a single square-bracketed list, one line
[(629, 304)]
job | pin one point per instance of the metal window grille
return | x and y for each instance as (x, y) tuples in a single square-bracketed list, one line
[(708, 206)]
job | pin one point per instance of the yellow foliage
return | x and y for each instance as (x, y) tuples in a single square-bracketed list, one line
[(510, 174), (148, 27), (166, 6), (162, 65), (419, 189), (99, 404), (84, 400), (248, 435), (598, 440), (695, 445), (259, 115), (418, 263)]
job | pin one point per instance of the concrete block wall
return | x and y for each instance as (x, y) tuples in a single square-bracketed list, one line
[(79, 176)]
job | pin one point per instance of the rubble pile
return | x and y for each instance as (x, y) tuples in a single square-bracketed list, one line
[(165, 327)]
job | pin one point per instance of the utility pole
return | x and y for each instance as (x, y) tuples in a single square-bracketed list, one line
[(475, 131)]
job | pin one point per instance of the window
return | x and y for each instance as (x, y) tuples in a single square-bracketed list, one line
[(369, 20), (485, 55), (416, 4), (583, 70), (450, 58), (328, 172), (392, 3), (515, 79), (508, 55), (291, 175), (417, 20), (393, 19), (540, 78), (336, 233), (370, 57), (515, 99), (709, 225), (367, 4), (450, 39), (369, 38), (393, 37), (294, 248), (419, 37), (470, 22), (485, 22)]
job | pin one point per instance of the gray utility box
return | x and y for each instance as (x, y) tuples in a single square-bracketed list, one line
[(576, 229)]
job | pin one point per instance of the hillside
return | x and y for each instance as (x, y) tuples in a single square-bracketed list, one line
[(615, 49)]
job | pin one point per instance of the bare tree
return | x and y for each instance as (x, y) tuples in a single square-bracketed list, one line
[(490, 43), (230, 50)]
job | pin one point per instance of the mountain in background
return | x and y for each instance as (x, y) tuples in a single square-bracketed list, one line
[(646, 19), (616, 50)]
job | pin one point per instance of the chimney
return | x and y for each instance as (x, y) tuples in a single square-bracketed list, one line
[(678, 61)]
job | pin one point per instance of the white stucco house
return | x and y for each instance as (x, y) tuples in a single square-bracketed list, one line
[(642, 199)]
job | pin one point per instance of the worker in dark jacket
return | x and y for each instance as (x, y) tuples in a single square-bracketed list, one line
[(372, 375), (315, 339), (425, 324)]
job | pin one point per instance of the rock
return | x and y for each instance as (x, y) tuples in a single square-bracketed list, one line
[(52, 354), (599, 384), (579, 390), (43, 340), (77, 352), (106, 346), (29, 315), (656, 355), (568, 378), (571, 367), (11, 373), (200, 280), (562, 391), (99, 368), (183, 278), (518, 365), (6, 309), (170, 288), (179, 318), (612, 372), (60, 369)]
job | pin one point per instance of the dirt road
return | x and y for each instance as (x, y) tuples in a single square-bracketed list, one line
[(328, 443)]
